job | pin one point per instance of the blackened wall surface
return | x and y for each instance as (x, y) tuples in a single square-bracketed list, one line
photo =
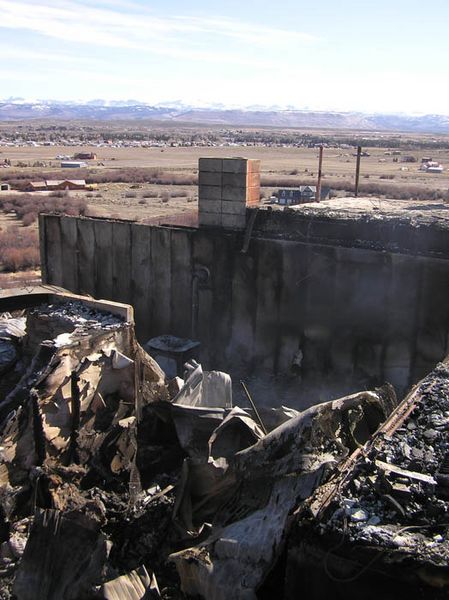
[(356, 315)]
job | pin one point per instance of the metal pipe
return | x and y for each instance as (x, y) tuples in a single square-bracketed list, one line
[(318, 184), (357, 170), (256, 412)]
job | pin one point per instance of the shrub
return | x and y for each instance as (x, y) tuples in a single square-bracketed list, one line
[(128, 175), (19, 249), (16, 259), (23, 204), (58, 194), (29, 218)]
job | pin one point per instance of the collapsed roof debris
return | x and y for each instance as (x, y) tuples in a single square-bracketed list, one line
[(240, 504), (69, 449), (386, 514), (111, 476)]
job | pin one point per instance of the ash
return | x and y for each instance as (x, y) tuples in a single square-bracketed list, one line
[(405, 508), (62, 323), (78, 314)]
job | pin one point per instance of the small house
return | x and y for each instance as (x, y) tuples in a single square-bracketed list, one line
[(36, 186), (308, 193), (66, 184), (287, 197), (73, 164), (301, 195), (54, 185)]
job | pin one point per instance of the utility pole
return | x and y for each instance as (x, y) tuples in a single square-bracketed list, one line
[(318, 185), (357, 170)]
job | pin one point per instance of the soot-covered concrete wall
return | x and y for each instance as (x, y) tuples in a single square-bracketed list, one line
[(345, 316)]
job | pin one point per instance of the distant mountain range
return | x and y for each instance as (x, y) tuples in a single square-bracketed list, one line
[(17, 109)]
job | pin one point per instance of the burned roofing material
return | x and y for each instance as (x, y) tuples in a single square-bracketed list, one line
[(386, 514)]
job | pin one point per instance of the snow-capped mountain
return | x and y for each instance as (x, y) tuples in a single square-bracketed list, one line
[(18, 109)]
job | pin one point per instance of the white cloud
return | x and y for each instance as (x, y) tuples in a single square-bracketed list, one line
[(18, 53), (138, 29)]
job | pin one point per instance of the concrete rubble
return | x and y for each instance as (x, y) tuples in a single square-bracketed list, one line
[(118, 483)]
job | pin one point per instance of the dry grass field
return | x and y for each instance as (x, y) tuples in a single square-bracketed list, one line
[(383, 173), (339, 164)]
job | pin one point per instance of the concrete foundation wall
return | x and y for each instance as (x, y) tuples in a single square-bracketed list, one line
[(358, 316)]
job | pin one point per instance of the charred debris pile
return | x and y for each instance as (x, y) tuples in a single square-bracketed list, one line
[(382, 523), (119, 483)]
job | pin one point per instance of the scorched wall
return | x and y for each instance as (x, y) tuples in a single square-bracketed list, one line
[(361, 303)]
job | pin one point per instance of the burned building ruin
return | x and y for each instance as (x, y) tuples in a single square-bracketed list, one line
[(324, 476), (308, 303)]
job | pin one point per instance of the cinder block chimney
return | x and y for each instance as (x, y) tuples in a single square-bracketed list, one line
[(227, 186)]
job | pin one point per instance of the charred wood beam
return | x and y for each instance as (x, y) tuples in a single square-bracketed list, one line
[(75, 401), (38, 430)]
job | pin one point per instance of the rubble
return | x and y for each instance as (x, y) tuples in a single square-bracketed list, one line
[(116, 482), (12, 330), (241, 503), (69, 450), (388, 509)]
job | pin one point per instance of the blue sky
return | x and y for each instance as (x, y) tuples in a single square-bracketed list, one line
[(373, 56)]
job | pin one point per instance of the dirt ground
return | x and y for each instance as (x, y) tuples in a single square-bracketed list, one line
[(8, 220), (124, 201)]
